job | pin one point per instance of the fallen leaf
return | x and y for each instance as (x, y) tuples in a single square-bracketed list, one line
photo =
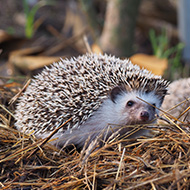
[(150, 62)]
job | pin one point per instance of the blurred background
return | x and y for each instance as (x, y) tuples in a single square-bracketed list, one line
[(35, 33)]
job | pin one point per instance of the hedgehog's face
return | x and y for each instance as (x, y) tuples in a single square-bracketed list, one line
[(130, 107)]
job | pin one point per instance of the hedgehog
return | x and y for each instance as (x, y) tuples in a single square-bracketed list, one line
[(178, 99), (93, 91)]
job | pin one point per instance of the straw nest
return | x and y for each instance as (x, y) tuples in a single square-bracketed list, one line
[(159, 162)]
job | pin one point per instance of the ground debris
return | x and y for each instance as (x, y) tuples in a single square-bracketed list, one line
[(161, 162)]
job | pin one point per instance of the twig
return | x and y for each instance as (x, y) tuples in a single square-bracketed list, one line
[(87, 44), (49, 137), (13, 99), (119, 168), (7, 110)]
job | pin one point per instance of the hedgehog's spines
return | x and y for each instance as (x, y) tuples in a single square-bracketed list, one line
[(77, 88)]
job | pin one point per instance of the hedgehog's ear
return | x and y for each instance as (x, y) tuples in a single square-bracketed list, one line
[(118, 90)]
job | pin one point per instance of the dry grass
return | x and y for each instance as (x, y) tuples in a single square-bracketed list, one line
[(160, 162)]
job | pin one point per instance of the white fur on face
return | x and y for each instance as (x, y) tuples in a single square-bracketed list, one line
[(120, 113)]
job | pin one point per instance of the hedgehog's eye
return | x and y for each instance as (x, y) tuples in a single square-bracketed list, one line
[(130, 103)]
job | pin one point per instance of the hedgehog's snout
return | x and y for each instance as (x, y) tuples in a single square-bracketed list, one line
[(144, 116)]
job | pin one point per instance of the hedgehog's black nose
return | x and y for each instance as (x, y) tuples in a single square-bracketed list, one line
[(144, 116)]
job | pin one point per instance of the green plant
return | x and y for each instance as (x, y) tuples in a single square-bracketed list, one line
[(30, 14), (160, 46), (161, 49)]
